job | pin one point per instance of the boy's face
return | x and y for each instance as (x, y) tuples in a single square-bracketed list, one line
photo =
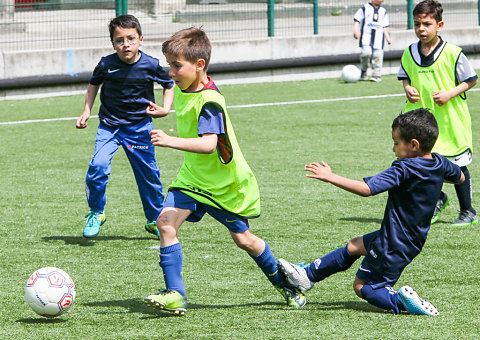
[(377, 3), (126, 43), (426, 27), (402, 148), (185, 74)]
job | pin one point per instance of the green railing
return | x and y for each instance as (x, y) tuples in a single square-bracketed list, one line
[(47, 24)]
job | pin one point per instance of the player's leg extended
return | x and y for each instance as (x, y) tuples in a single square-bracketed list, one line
[(260, 252), (141, 155), (338, 260), (173, 298)]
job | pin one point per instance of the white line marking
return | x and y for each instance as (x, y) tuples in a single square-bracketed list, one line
[(312, 101)]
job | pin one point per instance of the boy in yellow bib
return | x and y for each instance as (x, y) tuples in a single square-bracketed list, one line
[(214, 177), (436, 75)]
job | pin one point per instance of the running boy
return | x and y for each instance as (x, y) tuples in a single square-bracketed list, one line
[(412, 182), (370, 24), (214, 177), (436, 75), (125, 116)]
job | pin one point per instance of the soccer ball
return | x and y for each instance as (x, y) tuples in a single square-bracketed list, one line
[(50, 291), (350, 74)]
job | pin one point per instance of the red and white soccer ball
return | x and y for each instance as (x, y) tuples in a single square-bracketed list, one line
[(351, 74), (50, 291)]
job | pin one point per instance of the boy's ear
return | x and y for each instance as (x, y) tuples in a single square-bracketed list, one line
[(440, 26), (415, 144), (200, 65)]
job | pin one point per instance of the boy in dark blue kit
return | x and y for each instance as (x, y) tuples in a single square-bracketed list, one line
[(413, 182), (125, 115)]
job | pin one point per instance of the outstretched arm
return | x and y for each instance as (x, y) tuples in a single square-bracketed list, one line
[(324, 173)]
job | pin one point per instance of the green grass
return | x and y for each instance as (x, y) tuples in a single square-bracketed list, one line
[(43, 166)]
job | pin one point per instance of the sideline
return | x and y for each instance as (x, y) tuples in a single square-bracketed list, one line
[(312, 101)]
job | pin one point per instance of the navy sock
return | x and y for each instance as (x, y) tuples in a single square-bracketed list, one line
[(464, 192), (171, 261), (385, 298), (336, 261), (267, 263)]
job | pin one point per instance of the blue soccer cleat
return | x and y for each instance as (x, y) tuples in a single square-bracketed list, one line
[(414, 304)]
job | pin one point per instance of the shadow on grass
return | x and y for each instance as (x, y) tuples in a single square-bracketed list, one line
[(41, 320), (136, 305), (362, 219), (88, 242)]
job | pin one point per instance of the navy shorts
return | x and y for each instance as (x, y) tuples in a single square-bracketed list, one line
[(178, 199), (370, 273)]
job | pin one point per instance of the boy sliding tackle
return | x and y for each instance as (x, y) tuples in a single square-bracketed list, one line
[(214, 177), (413, 182)]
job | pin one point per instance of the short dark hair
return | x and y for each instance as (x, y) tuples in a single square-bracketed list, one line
[(419, 124), (191, 43), (124, 21), (432, 7)]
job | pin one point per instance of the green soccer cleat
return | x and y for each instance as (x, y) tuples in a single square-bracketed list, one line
[(293, 296), (465, 219), (442, 203), (168, 300), (151, 227), (94, 221)]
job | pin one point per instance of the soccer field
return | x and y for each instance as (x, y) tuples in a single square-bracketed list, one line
[(280, 127)]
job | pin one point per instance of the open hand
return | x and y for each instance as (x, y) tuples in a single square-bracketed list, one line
[(318, 171)]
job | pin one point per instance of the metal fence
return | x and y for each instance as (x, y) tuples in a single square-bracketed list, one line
[(50, 24)]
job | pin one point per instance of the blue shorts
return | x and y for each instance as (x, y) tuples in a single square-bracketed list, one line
[(370, 273), (178, 199)]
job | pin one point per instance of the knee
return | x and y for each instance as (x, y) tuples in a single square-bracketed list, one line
[(245, 241), (355, 246), (165, 228), (98, 167), (357, 288)]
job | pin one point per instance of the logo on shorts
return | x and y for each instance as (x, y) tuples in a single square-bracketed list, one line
[(140, 147), (230, 221), (317, 263), (373, 254)]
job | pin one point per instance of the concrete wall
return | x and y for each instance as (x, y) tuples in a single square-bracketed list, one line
[(77, 61)]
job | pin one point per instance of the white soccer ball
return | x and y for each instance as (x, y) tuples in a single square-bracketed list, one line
[(351, 74), (50, 291)]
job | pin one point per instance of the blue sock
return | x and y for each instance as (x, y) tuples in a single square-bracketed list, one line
[(385, 298), (171, 261), (336, 261), (267, 263)]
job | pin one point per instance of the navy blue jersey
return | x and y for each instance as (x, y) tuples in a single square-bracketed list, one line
[(127, 88), (414, 186)]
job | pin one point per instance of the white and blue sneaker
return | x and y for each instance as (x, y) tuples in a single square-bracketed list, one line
[(296, 275), (414, 304)]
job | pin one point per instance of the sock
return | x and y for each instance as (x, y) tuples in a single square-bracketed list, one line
[(267, 263), (464, 192), (336, 261), (171, 261), (385, 298)]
